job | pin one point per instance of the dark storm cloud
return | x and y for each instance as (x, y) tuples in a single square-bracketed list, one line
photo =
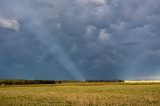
[(79, 39)]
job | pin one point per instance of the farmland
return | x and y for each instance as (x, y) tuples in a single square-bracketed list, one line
[(81, 94)]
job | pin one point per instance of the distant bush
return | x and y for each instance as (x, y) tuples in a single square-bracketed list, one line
[(104, 80)]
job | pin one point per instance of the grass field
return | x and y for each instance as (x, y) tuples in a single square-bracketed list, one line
[(81, 94)]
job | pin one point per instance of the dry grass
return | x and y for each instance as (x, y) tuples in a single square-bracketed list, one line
[(78, 95)]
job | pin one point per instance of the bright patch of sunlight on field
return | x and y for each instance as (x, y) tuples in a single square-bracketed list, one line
[(142, 81)]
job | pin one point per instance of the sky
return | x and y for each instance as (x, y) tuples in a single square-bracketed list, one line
[(80, 39)]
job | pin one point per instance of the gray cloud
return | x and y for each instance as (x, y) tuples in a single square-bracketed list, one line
[(81, 39), (9, 24)]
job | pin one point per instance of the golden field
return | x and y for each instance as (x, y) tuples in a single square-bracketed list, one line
[(81, 94)]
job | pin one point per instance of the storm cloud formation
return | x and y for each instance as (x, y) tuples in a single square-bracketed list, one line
[(80, 39)]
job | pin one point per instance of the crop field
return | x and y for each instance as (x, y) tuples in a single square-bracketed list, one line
[(81, 94)]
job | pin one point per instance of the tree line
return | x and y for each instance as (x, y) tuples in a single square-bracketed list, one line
[(27, 82)]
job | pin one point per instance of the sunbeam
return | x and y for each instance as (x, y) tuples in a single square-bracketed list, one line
[(49, 41)]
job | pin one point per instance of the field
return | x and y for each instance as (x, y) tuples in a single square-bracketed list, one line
[(81, 94)]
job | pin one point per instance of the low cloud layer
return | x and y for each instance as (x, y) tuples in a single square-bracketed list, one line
[(80, 39)]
